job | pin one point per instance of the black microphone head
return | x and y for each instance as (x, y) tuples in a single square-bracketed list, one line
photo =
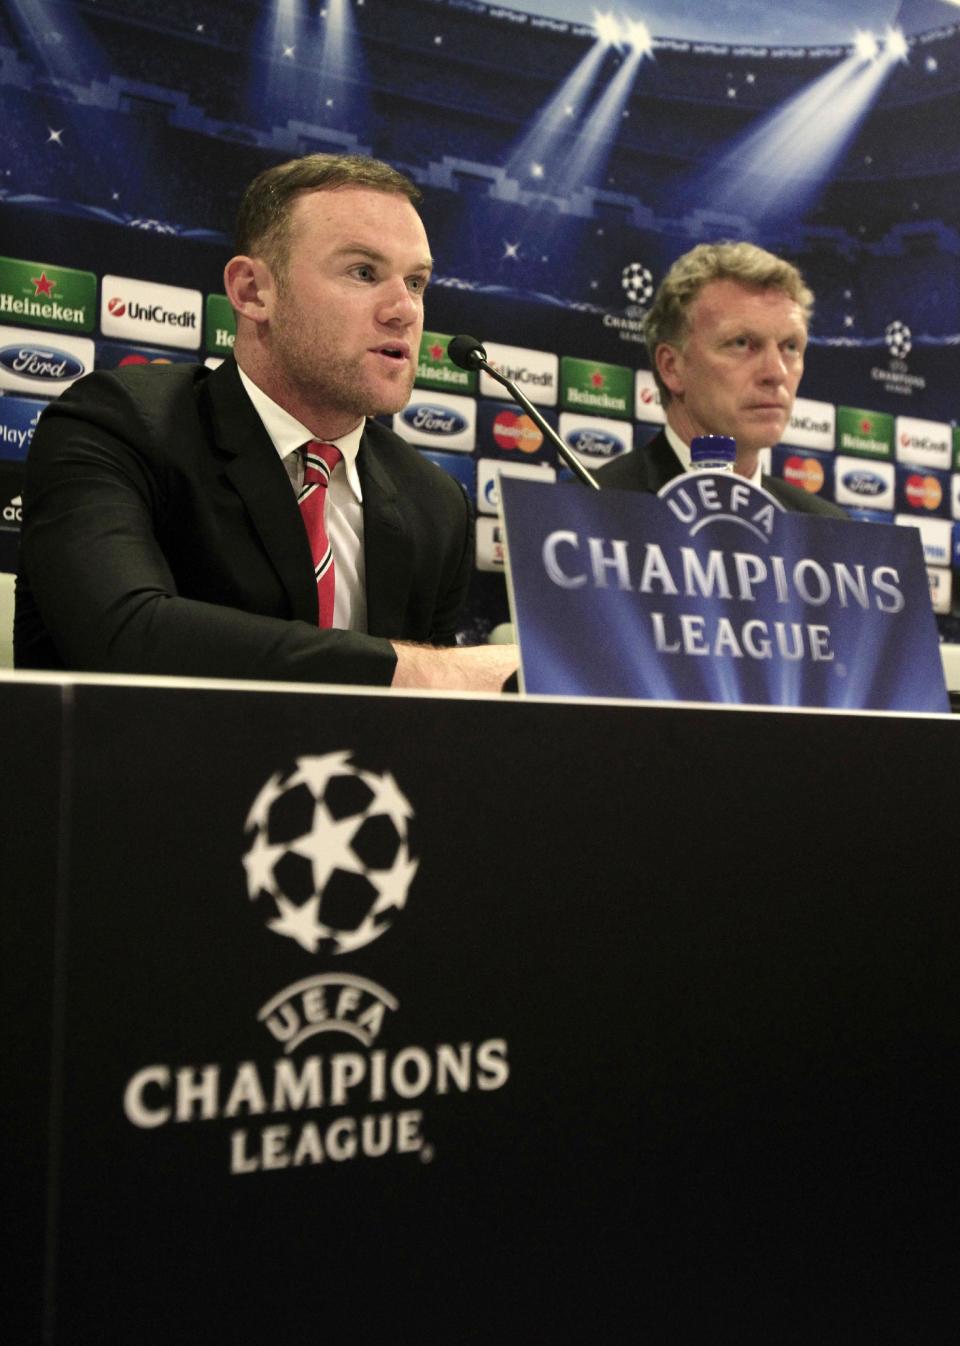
[(466, 351)]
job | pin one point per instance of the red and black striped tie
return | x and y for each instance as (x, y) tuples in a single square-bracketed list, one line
[(319, 460)]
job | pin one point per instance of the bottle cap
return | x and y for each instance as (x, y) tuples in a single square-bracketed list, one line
[(713, 449)]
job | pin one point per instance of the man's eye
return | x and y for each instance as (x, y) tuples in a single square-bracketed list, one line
[(418, 284), (364, 272)]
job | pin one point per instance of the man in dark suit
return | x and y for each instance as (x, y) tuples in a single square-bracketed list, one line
[(161, 526), (726, 335)]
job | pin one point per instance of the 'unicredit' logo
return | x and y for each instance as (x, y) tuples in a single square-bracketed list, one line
[(135, 311)]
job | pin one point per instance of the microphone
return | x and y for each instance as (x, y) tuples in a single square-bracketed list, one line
[(467, 353)]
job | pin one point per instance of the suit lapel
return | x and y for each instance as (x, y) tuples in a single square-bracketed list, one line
[(662, 463), (258, 476), (388, 542)]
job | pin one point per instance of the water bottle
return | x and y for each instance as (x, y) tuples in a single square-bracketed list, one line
[(713, 453)]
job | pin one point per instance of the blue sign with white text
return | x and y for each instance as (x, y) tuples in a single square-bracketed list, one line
[(18, 420), (713, 592)]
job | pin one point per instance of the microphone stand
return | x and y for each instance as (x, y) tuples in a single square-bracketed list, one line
[(476, 358)]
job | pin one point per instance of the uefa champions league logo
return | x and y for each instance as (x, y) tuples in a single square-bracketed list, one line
[(899, 340), (637, 283), (329, 856), (894, 375), (328, 862)]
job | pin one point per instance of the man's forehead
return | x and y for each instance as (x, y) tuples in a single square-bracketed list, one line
[(359, 207), (727, 302), (358, 219)]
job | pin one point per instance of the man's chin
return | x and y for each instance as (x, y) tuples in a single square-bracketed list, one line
[(761, 436), (389, 405)]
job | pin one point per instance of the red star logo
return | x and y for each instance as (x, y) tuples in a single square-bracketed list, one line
[(435, 351), (43, 284), (866, 426), (596, 378)]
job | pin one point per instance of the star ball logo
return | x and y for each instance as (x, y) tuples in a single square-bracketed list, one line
[(899, 339), (330, 855), (637, 283)]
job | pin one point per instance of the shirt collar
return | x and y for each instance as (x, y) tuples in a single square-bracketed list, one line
[(682, 450), (288, 434)]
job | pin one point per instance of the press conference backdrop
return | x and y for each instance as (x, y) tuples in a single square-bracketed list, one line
[(564, 166)]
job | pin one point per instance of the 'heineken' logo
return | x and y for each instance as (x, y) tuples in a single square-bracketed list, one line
[(435, 369), (863, 431), (587, 386), (39, 294)]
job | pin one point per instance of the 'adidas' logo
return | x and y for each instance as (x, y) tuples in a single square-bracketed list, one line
[(13, 512)]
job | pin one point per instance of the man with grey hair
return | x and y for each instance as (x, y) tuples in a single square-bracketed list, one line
[(254, 521), (726, 334)]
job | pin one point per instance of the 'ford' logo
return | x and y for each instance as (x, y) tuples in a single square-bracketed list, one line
[(862, 482), (40, 362), (434, 420), (598, 442)]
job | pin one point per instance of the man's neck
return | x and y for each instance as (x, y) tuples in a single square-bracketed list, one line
[(326, 425)]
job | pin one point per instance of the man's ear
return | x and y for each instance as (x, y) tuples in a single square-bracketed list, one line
[(250, 287), (669, 360)]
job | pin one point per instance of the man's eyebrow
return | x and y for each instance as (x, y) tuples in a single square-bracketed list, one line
[(364, 250), (727, 332)]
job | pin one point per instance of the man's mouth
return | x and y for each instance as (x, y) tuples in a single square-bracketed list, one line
[(399, 351)]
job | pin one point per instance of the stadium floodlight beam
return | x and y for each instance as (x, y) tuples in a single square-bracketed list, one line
[(607, 28), (537, 147), (774, 171), (638, 37), (865, 45), (281, 29), (535, 153), (895, 44), (60, 43), (339, 40), (587, 162)]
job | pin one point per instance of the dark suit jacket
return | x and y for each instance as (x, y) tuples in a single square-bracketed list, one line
[(160, 535), (652, 466)]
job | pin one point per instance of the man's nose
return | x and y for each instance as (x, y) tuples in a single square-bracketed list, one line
[(397, 304), (773, 367)]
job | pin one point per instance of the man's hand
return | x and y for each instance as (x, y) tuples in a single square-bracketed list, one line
[(473, 668)]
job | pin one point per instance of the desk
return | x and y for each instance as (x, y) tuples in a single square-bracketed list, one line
[(659, 1045)]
